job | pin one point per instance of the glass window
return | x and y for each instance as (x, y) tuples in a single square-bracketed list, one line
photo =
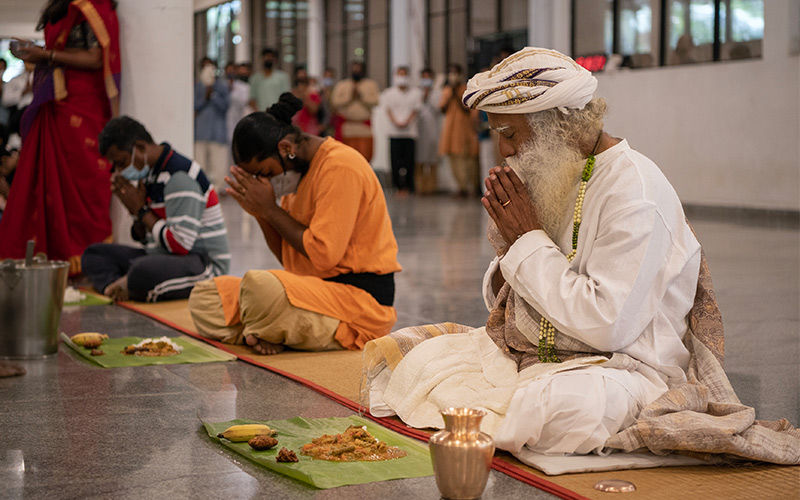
[(636, 33), (272, 26), (690, 31), (694, 30), (222, 32), (592, 37), (741, 28), (287, 37)]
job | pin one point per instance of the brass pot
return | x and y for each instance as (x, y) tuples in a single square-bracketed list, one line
[(461, 454)]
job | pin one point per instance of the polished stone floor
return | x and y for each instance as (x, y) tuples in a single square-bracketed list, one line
[(70, 430)]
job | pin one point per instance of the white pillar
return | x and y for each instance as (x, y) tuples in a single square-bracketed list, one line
[(244, 48), (418, 37), (316, 38), (157, 68), (157, 75), (399, 29)]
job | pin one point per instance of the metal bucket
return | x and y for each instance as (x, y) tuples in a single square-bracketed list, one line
[(31, 298)]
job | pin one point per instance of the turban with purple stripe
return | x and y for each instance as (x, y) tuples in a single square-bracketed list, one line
[(529, 81)]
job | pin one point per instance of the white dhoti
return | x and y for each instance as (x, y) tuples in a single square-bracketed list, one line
[(570, 407)]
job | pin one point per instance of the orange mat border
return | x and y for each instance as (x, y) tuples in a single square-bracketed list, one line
[(395, 425)]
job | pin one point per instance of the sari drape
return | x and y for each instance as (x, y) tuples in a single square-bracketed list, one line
[(61, 191)]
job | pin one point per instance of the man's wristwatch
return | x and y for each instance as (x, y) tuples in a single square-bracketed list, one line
[(141, 213)]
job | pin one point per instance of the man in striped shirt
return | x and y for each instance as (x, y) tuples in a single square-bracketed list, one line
[(177, 218)]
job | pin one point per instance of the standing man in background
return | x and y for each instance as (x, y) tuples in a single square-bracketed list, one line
[(267, 85), (402, 104), (211, 102), (353, 98)]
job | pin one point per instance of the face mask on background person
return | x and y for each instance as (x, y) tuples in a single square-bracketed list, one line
[(268, 64), (426, 83), (285, 183), (357, 76), (327, 82), (454, 78), (208, 75), (401, 80), (132, 173)]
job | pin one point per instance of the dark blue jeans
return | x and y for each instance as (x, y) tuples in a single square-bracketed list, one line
[(151, 278)]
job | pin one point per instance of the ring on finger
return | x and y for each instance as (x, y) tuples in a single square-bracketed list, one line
[(505, 203)]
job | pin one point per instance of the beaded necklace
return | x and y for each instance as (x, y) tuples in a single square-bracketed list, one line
[(547, 332)]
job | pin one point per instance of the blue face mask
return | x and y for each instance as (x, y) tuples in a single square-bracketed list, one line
[(134, 174)]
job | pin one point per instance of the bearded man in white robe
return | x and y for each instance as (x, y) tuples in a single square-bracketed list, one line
[(598, 327), (603, 331)]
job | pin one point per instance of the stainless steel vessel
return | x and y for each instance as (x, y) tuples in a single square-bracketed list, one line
[(31, 298), (461, 454)]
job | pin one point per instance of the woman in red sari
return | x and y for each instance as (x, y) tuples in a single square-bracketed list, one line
[(61, 191)]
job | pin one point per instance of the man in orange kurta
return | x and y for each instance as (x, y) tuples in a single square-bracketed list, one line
[(319, 301)]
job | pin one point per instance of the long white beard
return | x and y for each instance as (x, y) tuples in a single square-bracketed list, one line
[(551, 170)]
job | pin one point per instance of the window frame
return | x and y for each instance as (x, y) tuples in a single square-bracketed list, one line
[(663, 50)]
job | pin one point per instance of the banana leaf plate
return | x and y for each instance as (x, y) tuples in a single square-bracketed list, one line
[(90, 299), (194, 351), (295, 432)]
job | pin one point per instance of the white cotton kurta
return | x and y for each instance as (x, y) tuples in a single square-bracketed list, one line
[(402, 103), (628, 290), (632, 282)]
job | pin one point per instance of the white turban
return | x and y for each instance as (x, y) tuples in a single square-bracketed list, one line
[(531, 80)]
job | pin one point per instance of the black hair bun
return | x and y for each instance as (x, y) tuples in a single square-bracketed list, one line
[(285, 108)]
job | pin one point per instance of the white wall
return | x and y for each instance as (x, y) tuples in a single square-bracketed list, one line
[(16, 29), (18, 18), (725, 134)]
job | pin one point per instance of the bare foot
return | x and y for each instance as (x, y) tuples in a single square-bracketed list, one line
[(118, 290), (262, 346), (10, 369)]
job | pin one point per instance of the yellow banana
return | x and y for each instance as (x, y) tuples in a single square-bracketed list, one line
[(246, 432), (89, 339)]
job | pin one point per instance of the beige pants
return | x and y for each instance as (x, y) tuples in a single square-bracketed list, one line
[(265, 312), (213, 159), (465, 171)]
